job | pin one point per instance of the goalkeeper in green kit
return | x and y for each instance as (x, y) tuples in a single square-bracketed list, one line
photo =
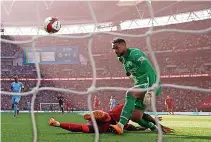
[(138, 68)]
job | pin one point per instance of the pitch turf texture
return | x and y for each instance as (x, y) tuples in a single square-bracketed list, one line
[(187, 129)]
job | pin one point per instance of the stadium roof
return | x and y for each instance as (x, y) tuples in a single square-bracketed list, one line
[(29, 13)]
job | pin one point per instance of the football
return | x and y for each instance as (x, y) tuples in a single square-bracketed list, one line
[(52, 25)]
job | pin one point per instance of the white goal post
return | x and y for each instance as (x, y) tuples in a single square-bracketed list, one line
[(49, 107)]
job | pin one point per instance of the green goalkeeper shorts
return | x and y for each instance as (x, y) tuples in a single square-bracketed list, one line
[(146, 82)]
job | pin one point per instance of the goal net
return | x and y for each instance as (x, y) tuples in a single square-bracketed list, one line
[(52, 107), (89, 79)]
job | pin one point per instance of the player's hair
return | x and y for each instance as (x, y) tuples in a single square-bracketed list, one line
[(118, 40)]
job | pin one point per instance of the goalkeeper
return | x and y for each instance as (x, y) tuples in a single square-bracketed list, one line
[(137, 67), (104, 119)]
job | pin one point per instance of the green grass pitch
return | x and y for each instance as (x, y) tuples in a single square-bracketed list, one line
[(187, 129)]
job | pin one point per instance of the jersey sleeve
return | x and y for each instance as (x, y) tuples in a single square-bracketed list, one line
[(127, 71), (138, 57), (22, 86)]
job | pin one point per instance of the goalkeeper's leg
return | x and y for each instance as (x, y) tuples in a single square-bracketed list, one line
[(73, 127), (129, 106), (149, 118), (147, 121), (137, 116)]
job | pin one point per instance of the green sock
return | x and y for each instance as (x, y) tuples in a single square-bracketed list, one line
[(128, 109), (146, 124)]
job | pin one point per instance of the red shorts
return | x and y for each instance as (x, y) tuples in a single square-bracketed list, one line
[(169, 106)]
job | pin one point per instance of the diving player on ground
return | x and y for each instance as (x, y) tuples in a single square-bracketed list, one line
[(104, 119), (138, 68), (16, 87)]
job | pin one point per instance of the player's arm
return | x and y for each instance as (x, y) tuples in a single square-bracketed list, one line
[(11, 86), (138, 58), (129, 75), (100, 116), (22, 87), (126, 70)]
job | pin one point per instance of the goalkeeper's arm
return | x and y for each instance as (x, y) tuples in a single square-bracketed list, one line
[(129, 75)]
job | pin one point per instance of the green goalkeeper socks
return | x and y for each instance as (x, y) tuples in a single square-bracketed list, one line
[(146, 124), (128, 109)]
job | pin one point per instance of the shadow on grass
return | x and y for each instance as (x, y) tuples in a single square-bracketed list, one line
[(74, 133), (70, 133), (168, 136), (188, 137), (196, 137)]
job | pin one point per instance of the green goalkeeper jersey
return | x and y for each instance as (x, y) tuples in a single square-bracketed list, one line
[(136, 64)]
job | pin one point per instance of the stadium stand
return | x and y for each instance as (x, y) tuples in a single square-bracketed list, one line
[(177, 54)]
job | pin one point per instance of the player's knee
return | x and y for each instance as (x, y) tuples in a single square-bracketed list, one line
[(135, 118), (131, 94), (136, 95), (136, 115)]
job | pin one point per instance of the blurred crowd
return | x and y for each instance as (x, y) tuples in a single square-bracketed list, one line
[(183, 100), (8, 49), (189, 63), (163, 41), (176, 53)]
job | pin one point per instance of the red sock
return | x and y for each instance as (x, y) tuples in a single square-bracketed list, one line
[(75, 127)]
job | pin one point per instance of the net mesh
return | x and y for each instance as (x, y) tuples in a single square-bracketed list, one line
[(93, 87)]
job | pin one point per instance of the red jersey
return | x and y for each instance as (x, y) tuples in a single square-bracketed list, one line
[(96, 103), (67, 103), (169, 101), (112, 117), (115, 113)]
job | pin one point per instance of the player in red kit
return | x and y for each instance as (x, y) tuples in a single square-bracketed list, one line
[(169, 105), (97, 104), (67, 105), (103, 119)]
